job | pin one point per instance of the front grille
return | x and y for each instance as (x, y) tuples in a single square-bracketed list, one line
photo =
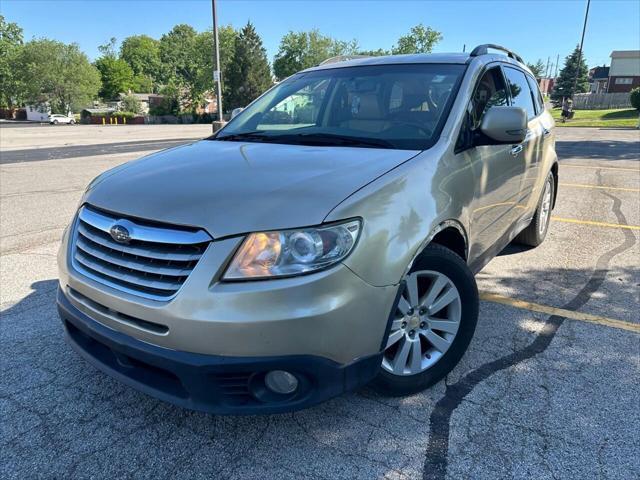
[(153, 263)]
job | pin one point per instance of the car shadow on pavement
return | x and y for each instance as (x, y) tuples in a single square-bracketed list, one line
[(64, 418)]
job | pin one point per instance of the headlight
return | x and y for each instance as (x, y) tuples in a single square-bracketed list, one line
[(292, 252)]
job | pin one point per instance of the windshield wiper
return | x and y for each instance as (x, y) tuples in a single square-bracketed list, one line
[(255, 135), (321, 139), (331, 139)]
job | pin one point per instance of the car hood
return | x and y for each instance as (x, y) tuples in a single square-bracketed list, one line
[(230, 188)]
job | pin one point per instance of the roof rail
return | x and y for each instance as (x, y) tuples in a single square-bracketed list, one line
[(484, 49), (342, 58)]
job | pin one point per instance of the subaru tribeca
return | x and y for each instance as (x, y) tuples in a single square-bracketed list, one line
[(325, 238)]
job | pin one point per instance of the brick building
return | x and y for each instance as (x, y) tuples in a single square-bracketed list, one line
[(624, 73)]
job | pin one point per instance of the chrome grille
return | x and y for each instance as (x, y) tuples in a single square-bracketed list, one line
[(153, 263)]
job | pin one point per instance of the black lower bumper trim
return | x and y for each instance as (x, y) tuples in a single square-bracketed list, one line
[(209, 383)]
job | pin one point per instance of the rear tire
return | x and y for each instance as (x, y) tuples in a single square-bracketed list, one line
[(438, 336), (537, 230), (72, 122)]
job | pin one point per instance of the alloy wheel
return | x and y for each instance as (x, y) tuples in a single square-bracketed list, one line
[(426, 322)]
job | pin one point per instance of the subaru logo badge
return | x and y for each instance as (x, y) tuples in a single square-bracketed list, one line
[(120, 234)]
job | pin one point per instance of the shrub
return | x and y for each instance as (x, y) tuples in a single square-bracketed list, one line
[(635, 98), (131, 104)]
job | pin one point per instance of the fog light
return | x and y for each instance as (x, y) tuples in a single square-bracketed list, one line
[(281, 382)]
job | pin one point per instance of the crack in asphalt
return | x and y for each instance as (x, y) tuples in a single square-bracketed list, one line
[(436, 461)]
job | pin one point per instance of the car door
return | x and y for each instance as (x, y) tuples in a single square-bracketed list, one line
[(527, 154), (497, 169), (544, 142)]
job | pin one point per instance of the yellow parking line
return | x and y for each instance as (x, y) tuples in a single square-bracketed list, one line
[(601, 187), (595, 224), (565, 165), (580, 316)]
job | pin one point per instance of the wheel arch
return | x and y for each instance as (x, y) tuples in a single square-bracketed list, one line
[(554, 172), (450, 234)]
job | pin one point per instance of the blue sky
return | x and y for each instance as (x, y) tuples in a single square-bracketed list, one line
[(534, 29)]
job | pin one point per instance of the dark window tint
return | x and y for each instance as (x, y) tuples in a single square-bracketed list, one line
[(537, 96), (520, 92), (490, 91)]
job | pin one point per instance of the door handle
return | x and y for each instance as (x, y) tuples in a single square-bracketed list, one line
[(516, 150), (545, 132)]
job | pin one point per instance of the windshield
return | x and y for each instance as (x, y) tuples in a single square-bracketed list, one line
[(381, 106)]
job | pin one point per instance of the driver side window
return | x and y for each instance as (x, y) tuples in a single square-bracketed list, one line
[(490, 91)]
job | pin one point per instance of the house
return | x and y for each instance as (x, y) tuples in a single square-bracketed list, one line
[(598, 79), (546, 84), (624, 73), (87, 114), (146, 100), (210, 104), (38, 113)]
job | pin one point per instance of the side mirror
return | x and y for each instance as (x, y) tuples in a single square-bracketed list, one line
[(505, 124), (236, 111)]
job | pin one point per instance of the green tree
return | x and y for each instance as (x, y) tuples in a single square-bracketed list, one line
[(204, 48), (115, 73), (300, 50), (170, 103), (142, 84), (420, 39), (374, 53), (537, 68), (142, 53), (566, 85), (11, 86), (184, 62), (634, 96), (131, 104), (59, 74), (249, 74)]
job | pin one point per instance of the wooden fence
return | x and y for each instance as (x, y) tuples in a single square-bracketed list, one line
[(599, 101)]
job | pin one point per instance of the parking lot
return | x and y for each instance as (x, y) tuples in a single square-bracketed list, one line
[(550, 387)]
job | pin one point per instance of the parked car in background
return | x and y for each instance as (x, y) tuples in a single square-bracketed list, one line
[(326, 237), (57, 118)]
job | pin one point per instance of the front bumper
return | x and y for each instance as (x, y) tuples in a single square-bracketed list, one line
[(209, 383), (332, 314)]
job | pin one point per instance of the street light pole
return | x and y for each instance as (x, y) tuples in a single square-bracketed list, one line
[(217, 74), (584, 29)]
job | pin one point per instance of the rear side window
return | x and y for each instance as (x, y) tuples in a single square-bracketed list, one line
[(535, 93), (520, 91)]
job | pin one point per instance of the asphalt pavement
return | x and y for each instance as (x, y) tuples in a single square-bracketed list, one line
[(549, 389)]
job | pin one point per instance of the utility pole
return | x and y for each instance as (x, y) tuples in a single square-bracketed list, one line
[(584, 29), (546, 70), (555, 73), (217, 74)]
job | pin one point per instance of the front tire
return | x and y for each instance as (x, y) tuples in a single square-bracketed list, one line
[(536, 231), (432, 325), (72, 122)]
